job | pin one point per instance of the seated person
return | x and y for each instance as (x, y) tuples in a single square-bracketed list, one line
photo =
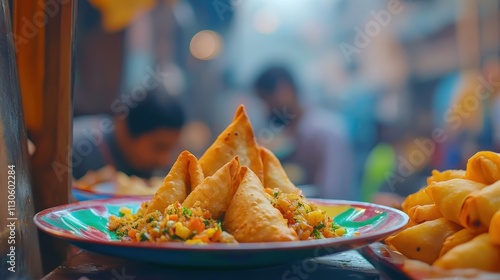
[(136, 140), (310, 142)]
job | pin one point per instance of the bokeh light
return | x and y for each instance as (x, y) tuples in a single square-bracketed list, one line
[(206, 45)]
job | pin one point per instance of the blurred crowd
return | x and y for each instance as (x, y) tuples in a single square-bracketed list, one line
[(356, 98)]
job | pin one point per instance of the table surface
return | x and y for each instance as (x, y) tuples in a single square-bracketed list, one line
[(88, 265)]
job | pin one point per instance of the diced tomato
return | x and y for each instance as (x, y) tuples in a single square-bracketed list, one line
[(196, 224), (206, 215), (216, 236), (132, 233), (173, 217)]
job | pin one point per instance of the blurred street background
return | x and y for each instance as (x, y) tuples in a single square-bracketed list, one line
[(403, 87)]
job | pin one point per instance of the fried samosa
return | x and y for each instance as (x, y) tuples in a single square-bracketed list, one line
[(236, 140), (274, 174), (478, 253), (419, 198), (185, 175), (449, 196), (439, 176), (459, 237), (423, 242), (479, 208), (483, 167), (495, 229), (251, 216), (215, 192), (423, 213)]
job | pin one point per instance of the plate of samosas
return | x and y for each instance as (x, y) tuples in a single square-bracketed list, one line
[(454, 228), (107, 182), (233, 207)]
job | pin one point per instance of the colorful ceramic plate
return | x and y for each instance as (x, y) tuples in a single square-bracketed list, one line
[(84, 225)]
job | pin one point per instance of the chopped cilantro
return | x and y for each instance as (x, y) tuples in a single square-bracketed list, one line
[(275, 194), (150, 219), (335, 226), (186, 211), (174, 237), (319, 226), (144, 236), (206, 222), (316, 234)]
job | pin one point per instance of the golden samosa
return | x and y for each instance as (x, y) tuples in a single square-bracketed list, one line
[(419, 198), (459, 237), (449, 196), (185, 175), (495, 229), (274, 174), (423, 213), (439, 176), (479, 253), (483, 167), (479, 208), (216, 192), (423, 242), (236, 140), (251, 216)]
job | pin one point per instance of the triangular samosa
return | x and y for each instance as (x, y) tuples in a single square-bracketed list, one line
[(236, 140), (274, 174), (424, 241), (215, 192), (185, 175), (251, 216)]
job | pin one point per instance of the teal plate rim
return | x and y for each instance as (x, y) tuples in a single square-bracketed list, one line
[(393, 221)]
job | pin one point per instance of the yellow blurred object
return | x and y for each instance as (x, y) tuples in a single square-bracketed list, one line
[(118, 14), (467, 103)]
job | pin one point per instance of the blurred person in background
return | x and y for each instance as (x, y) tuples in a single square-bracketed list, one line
[(313, 148), (136, 140)]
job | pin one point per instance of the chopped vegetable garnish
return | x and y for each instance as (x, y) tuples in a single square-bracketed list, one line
[(180, 224), (308, 221)]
